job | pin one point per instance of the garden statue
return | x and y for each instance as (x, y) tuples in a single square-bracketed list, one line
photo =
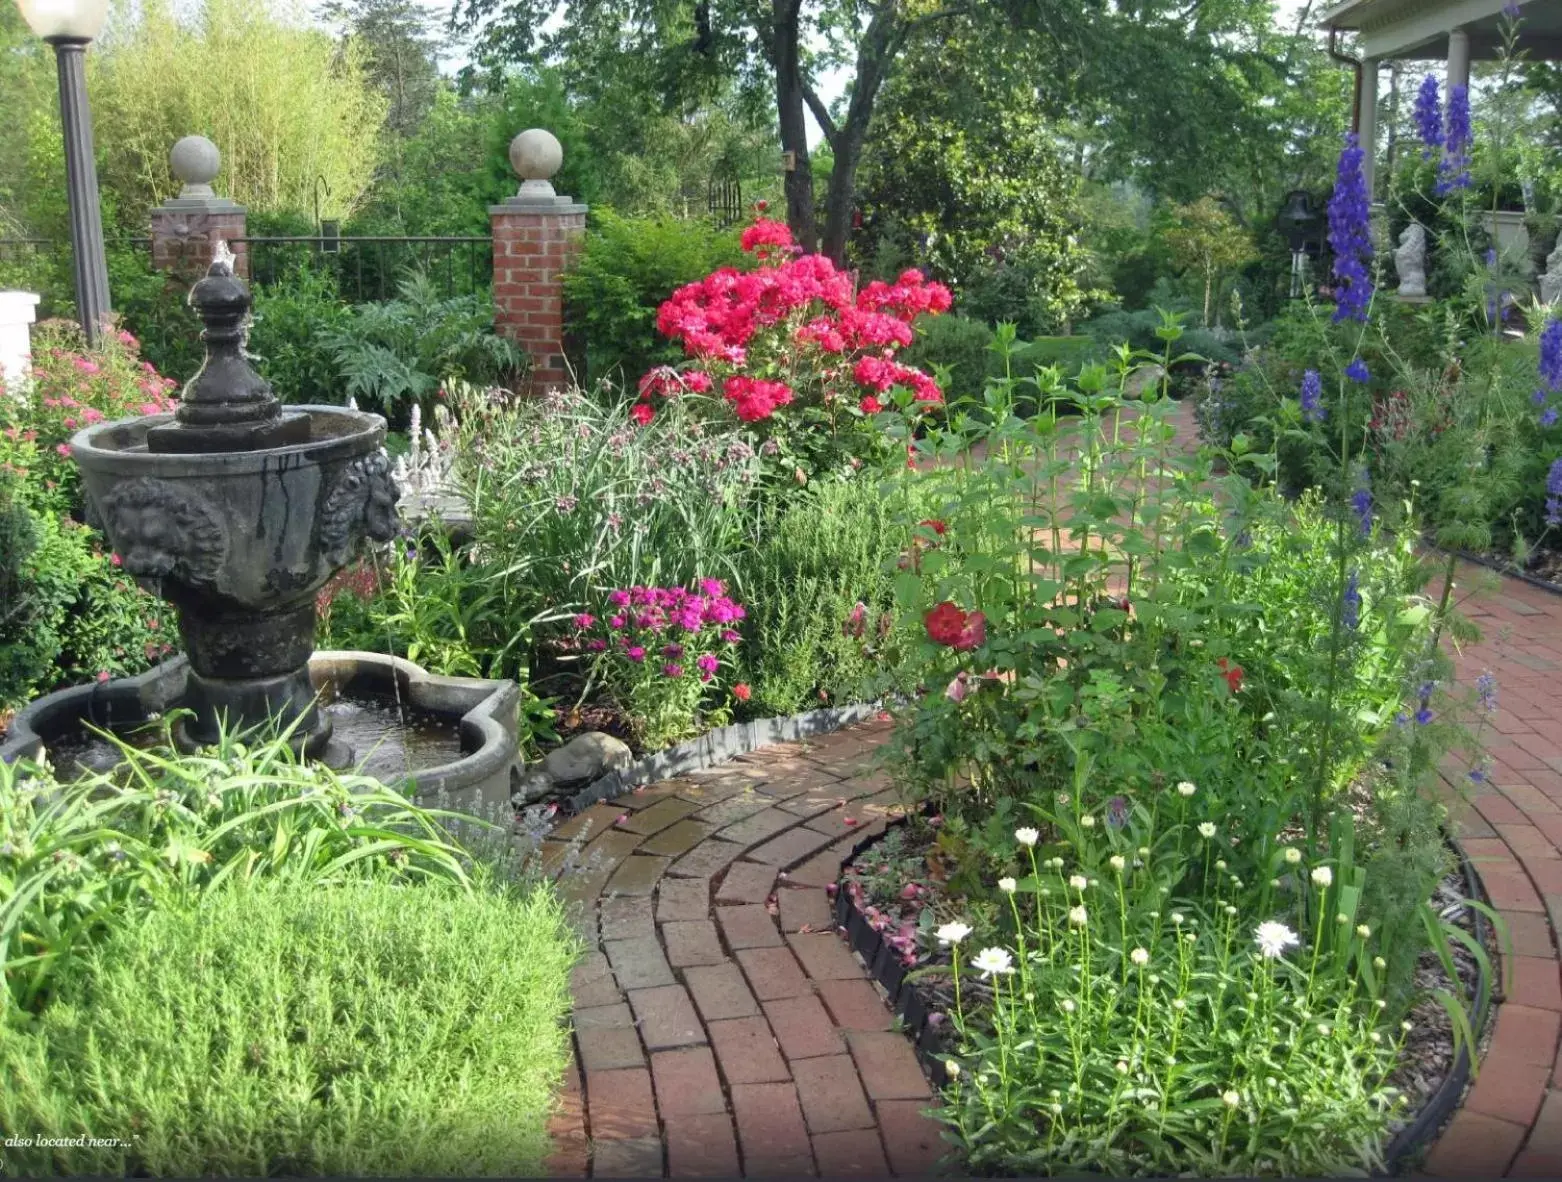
[(1551, 281), (1410, 262)]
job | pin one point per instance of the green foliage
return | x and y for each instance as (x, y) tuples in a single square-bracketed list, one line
[(628, 268), (154, 307), (579, 500), (80, 859), (292, 325), (958, 349), (399, 352), (275, 1027), (964, 164), (441, 179), (817, 584)]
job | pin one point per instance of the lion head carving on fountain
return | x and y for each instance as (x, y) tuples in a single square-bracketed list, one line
[(161, 532), (362, 504)]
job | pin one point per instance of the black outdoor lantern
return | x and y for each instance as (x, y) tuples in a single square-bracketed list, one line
[(1301, 223)]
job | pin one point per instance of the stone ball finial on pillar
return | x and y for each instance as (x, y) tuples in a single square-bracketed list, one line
[(536, 155), (195, 162)]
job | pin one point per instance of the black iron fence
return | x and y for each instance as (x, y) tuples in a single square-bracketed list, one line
[(361, 268), (369, 268)]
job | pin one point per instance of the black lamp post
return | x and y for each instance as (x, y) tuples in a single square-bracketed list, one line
[(69, 25)]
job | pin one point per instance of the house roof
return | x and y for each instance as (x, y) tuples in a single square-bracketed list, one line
[(1420, 28)]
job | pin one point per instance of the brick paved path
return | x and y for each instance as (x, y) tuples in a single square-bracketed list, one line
[(1511, 1120), (722, 1027)]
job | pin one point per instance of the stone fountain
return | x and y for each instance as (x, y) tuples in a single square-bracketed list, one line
[(237, 510)]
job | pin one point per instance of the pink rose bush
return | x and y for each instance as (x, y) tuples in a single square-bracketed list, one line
[(796, 350), (659, 652)]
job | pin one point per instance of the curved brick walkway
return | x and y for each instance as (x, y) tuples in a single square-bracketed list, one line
[(722, 1026), (1511, 1119)]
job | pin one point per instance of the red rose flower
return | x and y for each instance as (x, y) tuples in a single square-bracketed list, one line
[(973, 634), (642, 412), (945, 624), (741, 691)]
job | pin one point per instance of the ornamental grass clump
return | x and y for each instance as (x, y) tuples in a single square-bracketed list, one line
[(82, 858), (657, 652), (1128, 1025)]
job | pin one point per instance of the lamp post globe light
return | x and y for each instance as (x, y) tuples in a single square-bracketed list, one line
[(69, 25)]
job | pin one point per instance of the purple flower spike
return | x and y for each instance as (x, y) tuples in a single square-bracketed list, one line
[(1350, 237), (1312, 397), (1429, 117), (1454, 171)]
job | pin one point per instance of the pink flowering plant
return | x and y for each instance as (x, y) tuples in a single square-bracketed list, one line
[(659, 653), (73, 387), (800, 353)]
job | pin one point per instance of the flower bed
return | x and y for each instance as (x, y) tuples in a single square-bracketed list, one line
[(899, 919)]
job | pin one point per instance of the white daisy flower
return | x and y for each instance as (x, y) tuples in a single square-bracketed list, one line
[(1077, 916), (993, 960), (1087, 821), (1207, 829), (1322, 876), (1273, 938), (1139, 956), (1230, 1099), (1008, 886), (953, 933), (1078, 881), (1363, 930), (1027, 836), (1293, 855), (1186, 788), (1118, 863)]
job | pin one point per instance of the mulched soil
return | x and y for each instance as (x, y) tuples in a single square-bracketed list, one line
[(897, 884), (1545, 565)]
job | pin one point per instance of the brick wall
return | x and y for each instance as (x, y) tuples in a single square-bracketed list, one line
[(532, 248), (183, 239)]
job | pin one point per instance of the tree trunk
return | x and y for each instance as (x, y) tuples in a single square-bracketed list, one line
[(798, 181), (875, 56)]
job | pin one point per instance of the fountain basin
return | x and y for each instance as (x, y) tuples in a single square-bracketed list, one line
[(444, 740), (239, 542)]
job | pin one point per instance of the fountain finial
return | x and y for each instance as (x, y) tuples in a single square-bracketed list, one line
[(227, 406)]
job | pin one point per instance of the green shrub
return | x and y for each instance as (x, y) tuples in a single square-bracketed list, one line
[(280, 1029), (957, 348), (628, 268), (1067, 353), (154, 307), (293, 323), (817, 585), (399, 352), (82, 858)]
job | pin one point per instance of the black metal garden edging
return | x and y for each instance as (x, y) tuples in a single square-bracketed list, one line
[(1489, 564), (1429, 1120), (927, 1039)]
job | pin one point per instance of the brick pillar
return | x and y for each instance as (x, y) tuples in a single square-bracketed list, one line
[(186, 230), (536, 234)]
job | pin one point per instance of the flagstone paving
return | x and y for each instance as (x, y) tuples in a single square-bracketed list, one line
[(722, 1027)]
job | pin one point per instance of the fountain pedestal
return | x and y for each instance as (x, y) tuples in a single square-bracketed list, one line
[(236, 512)]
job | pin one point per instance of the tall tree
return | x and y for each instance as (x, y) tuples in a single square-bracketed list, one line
[(400, 51)]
